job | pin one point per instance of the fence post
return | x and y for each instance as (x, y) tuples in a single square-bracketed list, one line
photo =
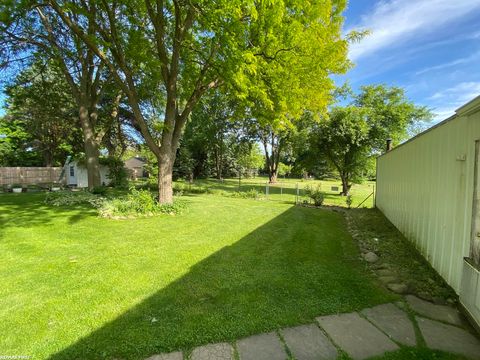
[(374, 198)]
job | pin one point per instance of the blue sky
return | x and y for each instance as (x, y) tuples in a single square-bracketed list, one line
[(431, 48)]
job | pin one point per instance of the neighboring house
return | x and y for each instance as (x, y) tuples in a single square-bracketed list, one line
[(136, 167), (429, 188), (76, 174)]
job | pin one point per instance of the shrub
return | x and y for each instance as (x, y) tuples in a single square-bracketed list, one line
[(99, 190), (315, 194), (67, 198), (250, 194), (117, 173), (137, 203)]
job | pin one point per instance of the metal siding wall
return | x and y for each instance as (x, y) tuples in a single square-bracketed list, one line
[(421, 189)]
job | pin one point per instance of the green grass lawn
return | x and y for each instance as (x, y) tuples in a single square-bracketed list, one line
[(76, 286), (286, 189)]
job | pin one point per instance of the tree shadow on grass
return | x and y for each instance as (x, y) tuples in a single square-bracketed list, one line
[(26, 210), (297, 266)]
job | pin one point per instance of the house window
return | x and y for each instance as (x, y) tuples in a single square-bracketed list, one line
[(72, 171)]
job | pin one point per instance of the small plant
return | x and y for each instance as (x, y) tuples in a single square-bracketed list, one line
[(315, 194), (250, 194), (67, 198), (137, 203), (349, 201), (99, 190)]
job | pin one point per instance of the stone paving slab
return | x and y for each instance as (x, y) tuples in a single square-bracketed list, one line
[(220, 351), (438, 312), (356, 336), (261, 347), (307, 342), (177, 355), (449, 338), (392, 321)]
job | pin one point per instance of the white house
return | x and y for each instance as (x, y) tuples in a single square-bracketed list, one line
[(429, 188), (76, 174)]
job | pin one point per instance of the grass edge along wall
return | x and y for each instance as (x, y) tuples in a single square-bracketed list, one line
[(426, 188)]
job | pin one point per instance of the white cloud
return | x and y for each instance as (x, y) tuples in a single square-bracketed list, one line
[(460, 61), (398, 21), (445, 102)]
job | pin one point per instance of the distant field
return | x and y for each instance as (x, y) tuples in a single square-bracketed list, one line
[(286, 189)]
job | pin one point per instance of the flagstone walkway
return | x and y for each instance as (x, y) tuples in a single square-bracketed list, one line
[(364, 334)]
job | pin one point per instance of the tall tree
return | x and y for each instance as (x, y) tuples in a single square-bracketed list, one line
[(344, 140), (352, 135), (33, 27), (39, 102), (184, 48)]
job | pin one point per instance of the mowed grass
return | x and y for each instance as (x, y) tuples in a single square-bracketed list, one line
[(75, 286), (286, 189)]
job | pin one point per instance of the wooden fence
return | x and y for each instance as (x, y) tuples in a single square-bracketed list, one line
[(30, 175)]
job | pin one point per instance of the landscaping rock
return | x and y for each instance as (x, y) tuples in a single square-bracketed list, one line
[(384, 272), (371, 257), (438, 312), (381, 266), (449, 338), (387, 279), (221, 351), (425, 296), (177, 355), (392, 321), (307, 342), (398, 288), (261, 347), (356, 336)]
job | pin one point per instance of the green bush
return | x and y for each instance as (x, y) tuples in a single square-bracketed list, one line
[(314, 193), (137, 203), (67, 198), (117, 173), (250, 194), (99, 190)]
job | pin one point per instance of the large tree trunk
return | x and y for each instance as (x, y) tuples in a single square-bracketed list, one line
[(345, 185), (91, 149), (165, 173), (272, 176)]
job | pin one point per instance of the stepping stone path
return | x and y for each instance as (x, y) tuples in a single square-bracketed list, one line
[(393, 322), (262, 347), (356, 336), (307, 342), (438, 312), (370, 332), (449, 338), (222, 351)]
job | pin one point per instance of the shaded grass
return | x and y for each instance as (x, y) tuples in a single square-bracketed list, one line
[(378, 234), (75, 286), (420, 353)]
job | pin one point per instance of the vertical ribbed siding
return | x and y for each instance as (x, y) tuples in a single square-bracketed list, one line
[(421, 188)]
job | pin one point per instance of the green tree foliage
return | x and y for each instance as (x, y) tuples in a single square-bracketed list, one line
[(15, 145), (39, 124), (270, 53), (32, 29), (352, 135), (391, 114), (344, 140)]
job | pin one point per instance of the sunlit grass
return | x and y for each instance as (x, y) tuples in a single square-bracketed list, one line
[(76, 286)]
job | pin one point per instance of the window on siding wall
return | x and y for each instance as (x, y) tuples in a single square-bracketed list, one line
[(72, 171)]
